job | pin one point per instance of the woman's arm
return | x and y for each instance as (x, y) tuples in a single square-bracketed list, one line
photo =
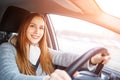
[(91, 12), (8, 66), (65, 59)]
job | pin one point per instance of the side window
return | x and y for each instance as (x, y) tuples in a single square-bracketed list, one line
[(77, 36), (83, 34)]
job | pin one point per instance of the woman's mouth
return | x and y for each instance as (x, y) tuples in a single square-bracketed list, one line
[(35, 37)]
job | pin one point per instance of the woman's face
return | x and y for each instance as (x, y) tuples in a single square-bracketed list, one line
[(35, 30)]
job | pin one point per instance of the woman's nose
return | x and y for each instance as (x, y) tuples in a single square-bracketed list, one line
[(37, 30)]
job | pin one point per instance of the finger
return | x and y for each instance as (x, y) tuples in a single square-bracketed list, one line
[(62, 75), (96, 59), (55, 76), (75, 74), (105, 53), (106, 59), (65, 75)]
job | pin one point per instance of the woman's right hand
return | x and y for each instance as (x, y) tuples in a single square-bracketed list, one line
[(59, 75)]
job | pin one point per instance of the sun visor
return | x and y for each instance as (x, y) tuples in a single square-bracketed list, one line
[(68, 5)]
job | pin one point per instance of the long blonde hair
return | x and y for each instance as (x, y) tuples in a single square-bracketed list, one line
[(23, 63)]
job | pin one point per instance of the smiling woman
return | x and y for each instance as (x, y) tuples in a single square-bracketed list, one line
[(34, 51), (28, 56)]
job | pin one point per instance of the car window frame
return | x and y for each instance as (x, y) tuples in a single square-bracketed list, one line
[(51, 35)]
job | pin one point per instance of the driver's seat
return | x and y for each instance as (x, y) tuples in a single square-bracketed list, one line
[(10, 22)]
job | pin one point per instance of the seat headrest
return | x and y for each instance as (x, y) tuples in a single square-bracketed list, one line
[(12, 19)]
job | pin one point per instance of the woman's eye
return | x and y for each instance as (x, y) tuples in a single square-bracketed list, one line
[(31, 25), (41, 27)]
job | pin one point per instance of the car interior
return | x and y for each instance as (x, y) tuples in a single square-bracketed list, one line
[(12, 12)]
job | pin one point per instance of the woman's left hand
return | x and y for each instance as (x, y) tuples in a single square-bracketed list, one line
[(103, 57)]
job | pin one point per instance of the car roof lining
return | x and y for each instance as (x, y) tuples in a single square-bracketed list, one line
[(43, 6)]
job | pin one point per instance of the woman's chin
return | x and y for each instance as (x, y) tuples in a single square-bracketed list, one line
[(35, 43)]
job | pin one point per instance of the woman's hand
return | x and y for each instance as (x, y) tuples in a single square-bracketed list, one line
[(59, 75), (103, 57)]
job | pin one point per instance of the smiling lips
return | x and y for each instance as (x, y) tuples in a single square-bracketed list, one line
[(35, 37)]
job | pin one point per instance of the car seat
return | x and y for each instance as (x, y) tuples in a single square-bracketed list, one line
[(10, 21)]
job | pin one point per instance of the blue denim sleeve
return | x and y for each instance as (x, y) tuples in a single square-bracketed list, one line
[(8, 66)]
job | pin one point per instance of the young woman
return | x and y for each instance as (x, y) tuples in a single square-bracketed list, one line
[(20, 56)]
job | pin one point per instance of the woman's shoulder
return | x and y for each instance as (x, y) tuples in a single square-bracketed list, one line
[(6, 46)]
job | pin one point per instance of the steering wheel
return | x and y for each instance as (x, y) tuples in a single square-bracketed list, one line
[(77, 65)]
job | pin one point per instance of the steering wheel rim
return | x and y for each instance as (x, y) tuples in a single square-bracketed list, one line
[(78, 63)]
